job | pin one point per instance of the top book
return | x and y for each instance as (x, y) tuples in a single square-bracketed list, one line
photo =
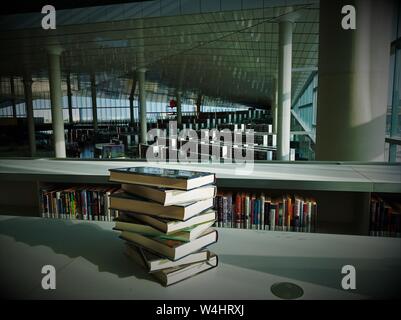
[(166, 178)]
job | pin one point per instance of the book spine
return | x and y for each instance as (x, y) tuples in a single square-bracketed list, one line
[(295, 216), (230, 211), (84, 205), (262, 212), (309, 226), (267, 215), (280, 221), (284, 214), (107, 199), (237, 211), (225, 210), (289, 213), (247, 212), (219, 210), (272, 217), (252, 212)]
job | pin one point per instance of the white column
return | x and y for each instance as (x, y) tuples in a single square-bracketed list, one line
[(69, 97), (140, 75), (29, 114), (94, 101), (131, 103), (56, 102), (284, 90), (353, 82), (142, 104), (274, 105)]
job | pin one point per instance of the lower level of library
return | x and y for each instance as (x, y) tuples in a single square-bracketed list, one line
[(90, 264)]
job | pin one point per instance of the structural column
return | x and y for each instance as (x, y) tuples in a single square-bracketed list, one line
[(142, 104), (274, 105), (140, 76), (56, 102), (131, 103), (179, 92), (69, 98), (353, 81), (94, 102), (29, 114), (284, 90), (179, 110), (131, 111), (198, 104), (12, 89)]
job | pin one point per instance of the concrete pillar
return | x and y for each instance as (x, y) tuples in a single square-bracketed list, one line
[(140, 76), (69, 98), (131, 111), (274, 105), (284, 90), (12, 89), (142, 104), (29, 114), (94, 101), (131, 103), (179, 110), (56, 102), (353, 81)]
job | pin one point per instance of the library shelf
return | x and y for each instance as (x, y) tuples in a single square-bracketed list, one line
[(341, 189)]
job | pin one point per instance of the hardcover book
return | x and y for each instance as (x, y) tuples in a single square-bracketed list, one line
[(171, 226), (159, 177), (173, 275), (171, 249), (153, 262), (168, 197), (188, 234), (127, 202)]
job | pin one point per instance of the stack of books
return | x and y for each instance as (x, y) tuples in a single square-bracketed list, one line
[(166, 218)]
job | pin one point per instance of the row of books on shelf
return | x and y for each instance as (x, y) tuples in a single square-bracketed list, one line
[(385, 217), (234, 210), (263, 212), (78, 202)]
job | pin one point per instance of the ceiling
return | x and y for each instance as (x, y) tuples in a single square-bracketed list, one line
[(229, 53)]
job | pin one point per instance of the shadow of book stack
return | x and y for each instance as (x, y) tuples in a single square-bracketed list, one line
[(166, 218)]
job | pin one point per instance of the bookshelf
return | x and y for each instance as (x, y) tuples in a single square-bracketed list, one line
[(342, 190)]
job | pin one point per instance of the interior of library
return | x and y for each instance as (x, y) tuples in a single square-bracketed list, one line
[(292, 108), (95, 85)]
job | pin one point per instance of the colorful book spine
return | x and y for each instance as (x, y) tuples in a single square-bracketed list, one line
[(257, 211), (78, 202)]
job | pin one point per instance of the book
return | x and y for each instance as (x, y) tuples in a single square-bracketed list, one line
[(171, 226), (128, 202), (171, 249), (154, 263), (172, 275), (188, 234), (159, 177), (168, 197)]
